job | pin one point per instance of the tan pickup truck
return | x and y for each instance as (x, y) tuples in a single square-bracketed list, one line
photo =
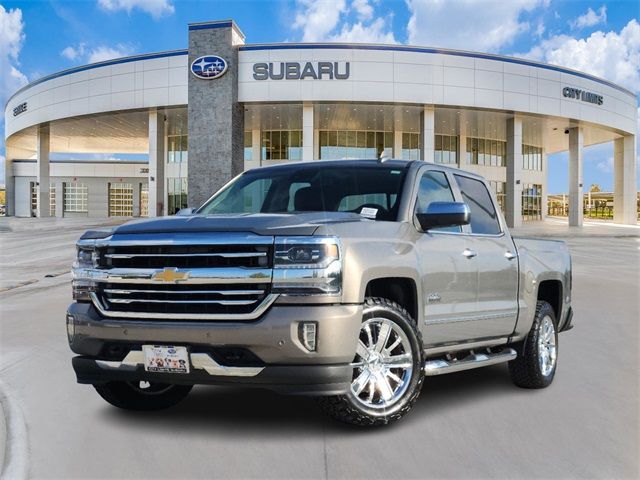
[(346, 280)]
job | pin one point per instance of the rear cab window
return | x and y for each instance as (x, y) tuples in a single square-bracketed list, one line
[(484, 218)]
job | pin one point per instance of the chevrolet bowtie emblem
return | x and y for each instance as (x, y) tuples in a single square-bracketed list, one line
[(170, 275)]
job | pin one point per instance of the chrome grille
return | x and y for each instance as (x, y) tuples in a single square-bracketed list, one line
[(184, 276), (182, 299)]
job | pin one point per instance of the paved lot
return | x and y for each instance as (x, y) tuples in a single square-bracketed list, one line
[(468, 425)]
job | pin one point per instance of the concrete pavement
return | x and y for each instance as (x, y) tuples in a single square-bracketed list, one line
[(473, 424)]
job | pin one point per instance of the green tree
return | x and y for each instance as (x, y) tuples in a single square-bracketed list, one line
[(594, 188)]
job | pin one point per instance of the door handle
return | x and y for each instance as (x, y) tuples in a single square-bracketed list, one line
[(510, 255), (469, 253)]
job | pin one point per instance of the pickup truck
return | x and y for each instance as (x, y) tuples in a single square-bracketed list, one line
[(349, 280)]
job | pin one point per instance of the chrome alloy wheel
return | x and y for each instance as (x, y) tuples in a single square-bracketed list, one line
[(547, 349), (383, 364)]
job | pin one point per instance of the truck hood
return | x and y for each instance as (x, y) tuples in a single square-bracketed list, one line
[(260, 223)]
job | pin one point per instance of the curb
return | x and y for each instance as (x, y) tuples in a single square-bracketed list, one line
[(16, 454)]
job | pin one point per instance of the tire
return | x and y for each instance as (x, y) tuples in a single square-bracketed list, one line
[(378, 408), (529, 369), (142, 395)]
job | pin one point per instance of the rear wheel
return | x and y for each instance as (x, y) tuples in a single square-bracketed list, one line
[(141, 395), (535, 365), (387, 368)]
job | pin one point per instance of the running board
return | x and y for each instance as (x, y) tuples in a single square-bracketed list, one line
[(474, 360)]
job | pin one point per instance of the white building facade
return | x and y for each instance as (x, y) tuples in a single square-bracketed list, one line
[(494, 115)]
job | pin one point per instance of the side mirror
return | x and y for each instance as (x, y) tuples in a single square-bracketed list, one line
[(185, 212), (444, 214)]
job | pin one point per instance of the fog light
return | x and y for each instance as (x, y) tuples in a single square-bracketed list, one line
[(308, 332), (71, 328)]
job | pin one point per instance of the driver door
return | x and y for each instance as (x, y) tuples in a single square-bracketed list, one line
[(449, 278)]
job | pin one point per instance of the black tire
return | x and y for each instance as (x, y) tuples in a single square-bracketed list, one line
[(526, 370), (347, 408), (130, 396)]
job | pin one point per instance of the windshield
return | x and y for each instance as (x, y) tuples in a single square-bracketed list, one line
[(372, 191)]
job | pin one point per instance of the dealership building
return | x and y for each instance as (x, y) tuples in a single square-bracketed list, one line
[(187, 121)]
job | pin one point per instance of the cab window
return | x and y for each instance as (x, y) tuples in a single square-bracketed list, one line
[(434, 187)]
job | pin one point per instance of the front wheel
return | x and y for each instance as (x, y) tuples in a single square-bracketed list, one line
[(140, 395), (535, 365), (387, 368)]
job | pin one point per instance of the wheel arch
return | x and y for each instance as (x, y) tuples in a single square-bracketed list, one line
[(401, 290), (550, 291)]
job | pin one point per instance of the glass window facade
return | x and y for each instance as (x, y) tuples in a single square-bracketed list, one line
[(176, 195), (120, 200), (248, 151), (500, 189), (446, 149), (281, 145), (531, 158), (76, 197), (144, 200), (411, 146), (52, 200), (343, 144), (484, 151), (177, 148), (531, 202)]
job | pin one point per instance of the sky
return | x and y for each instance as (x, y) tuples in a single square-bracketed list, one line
[(602, 37)]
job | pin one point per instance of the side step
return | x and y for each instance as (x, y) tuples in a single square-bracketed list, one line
[(473, 360)]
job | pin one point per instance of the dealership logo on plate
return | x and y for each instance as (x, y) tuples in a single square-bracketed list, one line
[(209, 67)]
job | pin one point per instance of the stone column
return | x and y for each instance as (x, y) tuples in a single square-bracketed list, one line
[(307, 132), (428, 133), (43, 178), (157, 180), (576, 142), (216, 118), (397, 144), (625, 191), (513, 200), (136, 198), (256, 146), (59, 198)]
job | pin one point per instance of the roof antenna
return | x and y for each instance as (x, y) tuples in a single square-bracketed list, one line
[(383, 157)]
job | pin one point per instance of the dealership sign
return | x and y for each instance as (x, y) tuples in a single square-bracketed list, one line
[(209, 67), (578, 94), (301, 71)]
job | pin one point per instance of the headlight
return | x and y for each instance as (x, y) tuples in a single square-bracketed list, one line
[(82, 284), (307, 266)]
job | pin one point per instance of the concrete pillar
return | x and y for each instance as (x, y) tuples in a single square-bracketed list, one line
[(513, 200), (545, 189), (576, 143), (43, 170), (316, 144), (216, 118), (397, 144), (157, 179), (136, 199), (625, 191), (9, 184), (428, 133), (59, 198), (256, 146), (307, 132), (462, 151)]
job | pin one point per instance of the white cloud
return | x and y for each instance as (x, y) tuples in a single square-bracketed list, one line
[(156, 8), (81, 53), (539, 28), (11, 39), (363, 9), (590, 18), (606, 166), (611, 55), (484, 25), (330, 21)]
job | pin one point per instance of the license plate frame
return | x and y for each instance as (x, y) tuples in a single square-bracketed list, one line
[(166, 359)]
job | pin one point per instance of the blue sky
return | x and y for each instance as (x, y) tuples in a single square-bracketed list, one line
[(603, 38)]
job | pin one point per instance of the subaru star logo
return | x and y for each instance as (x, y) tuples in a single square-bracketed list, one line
[(209, 67)]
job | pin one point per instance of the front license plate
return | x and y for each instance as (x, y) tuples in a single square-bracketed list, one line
[(166, 358)]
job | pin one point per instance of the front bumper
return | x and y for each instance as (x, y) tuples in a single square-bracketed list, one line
[(277, 357)]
